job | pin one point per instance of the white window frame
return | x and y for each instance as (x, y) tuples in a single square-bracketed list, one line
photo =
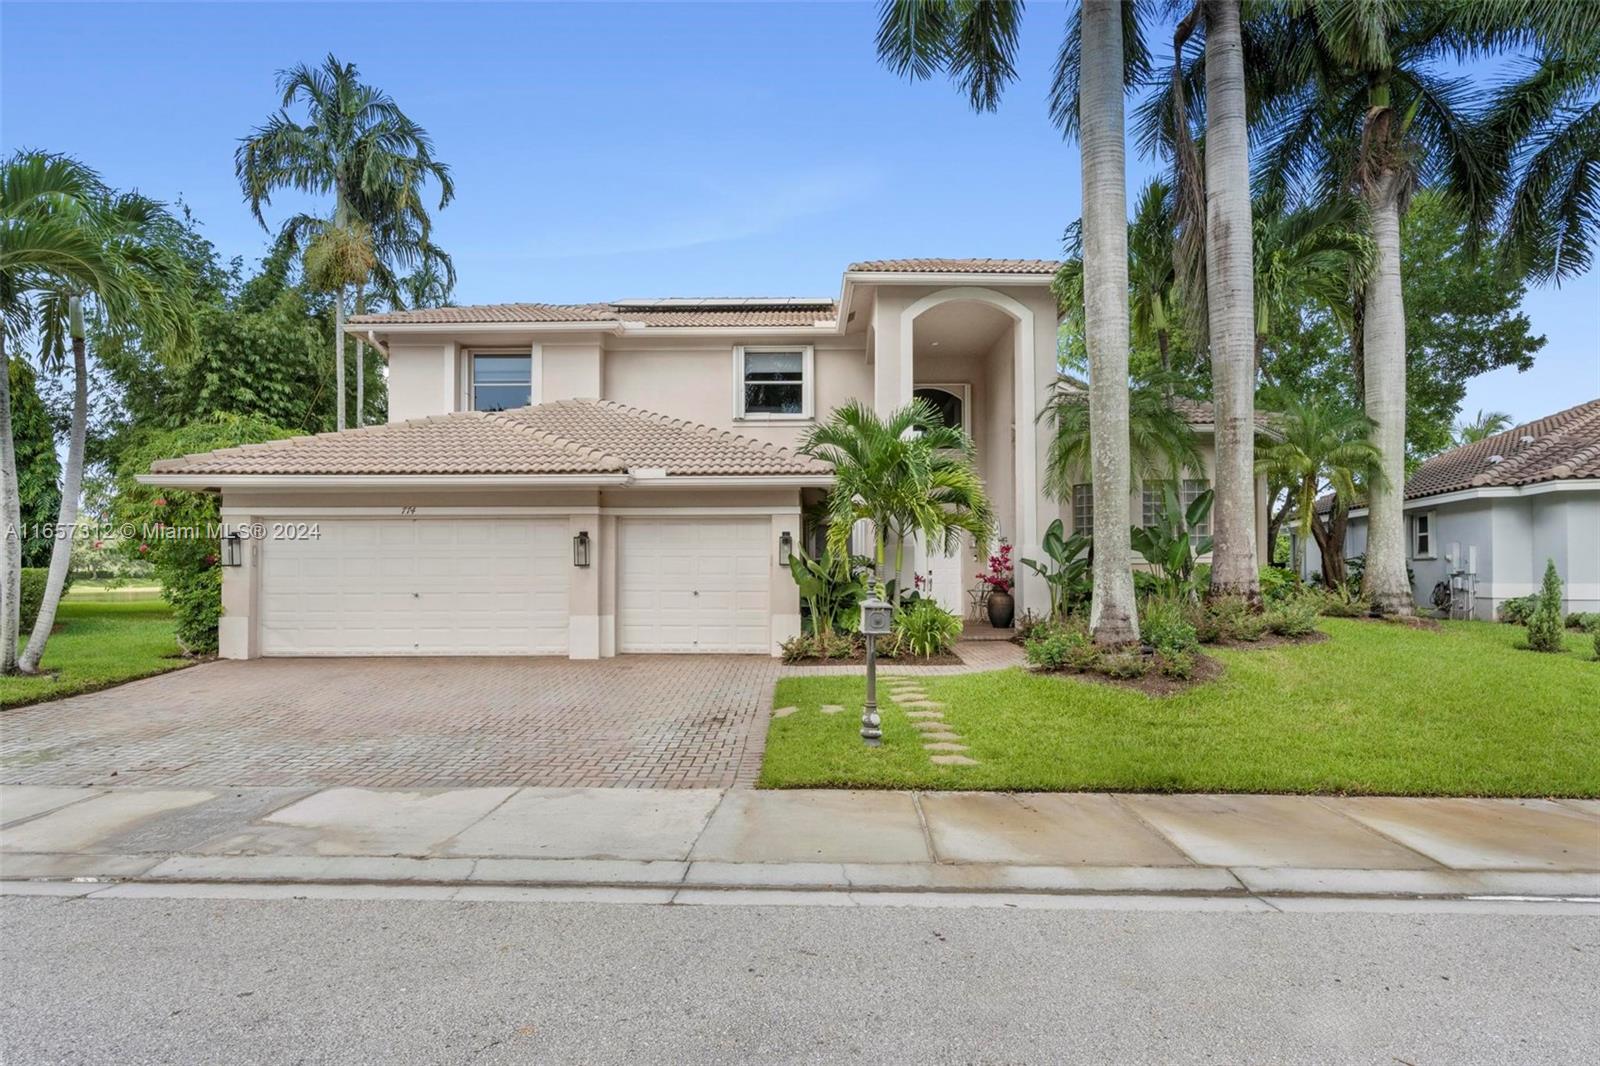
[(1432, 533), (468, 385), (1087, 529), (960, 390), (807, 383)]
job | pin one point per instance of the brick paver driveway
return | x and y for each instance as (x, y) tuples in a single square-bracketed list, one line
[(635, 721)]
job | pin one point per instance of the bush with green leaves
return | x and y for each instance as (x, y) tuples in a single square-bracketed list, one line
[(34, 580), (1227, 618), (1517, 611), (1165, 625), (926, 629), (1277, 583), (831, 589), (1545, 629), (1062, 646), (1594, 631), (1584, 621), (1124, 665), (1178, 665), (1065, 568), (172, 527), (1293, 618)]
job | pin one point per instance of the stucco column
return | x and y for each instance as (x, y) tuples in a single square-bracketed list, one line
[(784, 593), (237, 636), (583, 603), (607, 560)]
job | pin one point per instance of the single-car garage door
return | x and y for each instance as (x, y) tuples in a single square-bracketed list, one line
[(694, 585), (425, 586)]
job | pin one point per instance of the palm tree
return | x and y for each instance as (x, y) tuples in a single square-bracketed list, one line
[(1349, 95), (1161, 445), (1483, 424), (74, 249), (1101, 54), (1322, 447), (908, 474), (1307, 254), (358, 145)]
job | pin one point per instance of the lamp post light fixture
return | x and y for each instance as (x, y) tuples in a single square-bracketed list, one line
[(785, 547), (877, 617), (232, 550), (580, 549)]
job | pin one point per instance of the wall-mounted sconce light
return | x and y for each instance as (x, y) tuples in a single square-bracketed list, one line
[(580, 549), (232, 550), (785, 547)]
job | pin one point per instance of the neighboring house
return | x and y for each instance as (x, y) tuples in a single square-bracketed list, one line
[(594, 479), (1494, 511)]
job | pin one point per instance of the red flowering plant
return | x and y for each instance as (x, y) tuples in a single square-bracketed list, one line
[(1000, 575)]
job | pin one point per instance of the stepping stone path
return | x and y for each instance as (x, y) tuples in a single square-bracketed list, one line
[(784, 712), (927, 717), (830, 708)]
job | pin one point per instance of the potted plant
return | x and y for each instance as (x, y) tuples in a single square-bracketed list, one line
[(999, 576)]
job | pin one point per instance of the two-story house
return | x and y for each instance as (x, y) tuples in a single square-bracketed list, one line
[(595, 479)]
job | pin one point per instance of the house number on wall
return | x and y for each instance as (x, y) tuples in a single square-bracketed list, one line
[(408, 510)]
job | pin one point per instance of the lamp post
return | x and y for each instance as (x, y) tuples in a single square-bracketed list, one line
[(876, 619)]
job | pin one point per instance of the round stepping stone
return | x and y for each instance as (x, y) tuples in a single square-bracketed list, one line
[(952, 760), (784, 712), (945, 745), (830, 708)]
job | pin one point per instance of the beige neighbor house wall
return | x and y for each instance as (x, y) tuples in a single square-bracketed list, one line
[(592, 607)]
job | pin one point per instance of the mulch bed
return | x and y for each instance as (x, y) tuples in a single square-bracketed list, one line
[(860, 659), (1153, 683)]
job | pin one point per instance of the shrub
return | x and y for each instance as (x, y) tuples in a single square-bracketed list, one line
[(1228, 618), (1165, 626), (1276, 583), (1178, 665), (34, 579), (1292, 618), (927, 629), (798, 649), (1048, 651), (1544, 626), (196, 608), (1594, 629), (1124, 665), (1062, 647), (1336, 606), (1518, 611), (1583, 620)]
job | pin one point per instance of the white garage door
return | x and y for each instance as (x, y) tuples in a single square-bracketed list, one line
[(693, 585), (425, 586)]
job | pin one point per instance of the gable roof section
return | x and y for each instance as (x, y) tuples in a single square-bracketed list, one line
[(1564, 446), (568, 437), (1554, 448)]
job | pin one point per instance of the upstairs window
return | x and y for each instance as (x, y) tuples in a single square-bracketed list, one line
[(1083, 510), (773, 383), (501, 381)]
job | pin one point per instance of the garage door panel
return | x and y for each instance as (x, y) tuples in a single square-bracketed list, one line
[(458, 586), (693, 584)]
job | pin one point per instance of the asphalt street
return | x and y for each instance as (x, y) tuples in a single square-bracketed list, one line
[(341, 981)]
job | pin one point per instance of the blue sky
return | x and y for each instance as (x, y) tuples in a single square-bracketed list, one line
[(609, 150)]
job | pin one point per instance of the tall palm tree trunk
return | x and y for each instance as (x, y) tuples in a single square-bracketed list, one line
[(11, 502), (1230, 303), (1113, 613), (361, 366), (1384, 371), (71, 488)]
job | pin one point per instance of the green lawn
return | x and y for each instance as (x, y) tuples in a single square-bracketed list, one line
[(1375, 709), (98, 644)]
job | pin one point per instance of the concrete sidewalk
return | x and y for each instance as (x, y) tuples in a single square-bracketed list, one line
[(682, 842)]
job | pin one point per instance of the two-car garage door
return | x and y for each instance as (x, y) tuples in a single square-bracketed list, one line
[(501, 586), (434, 586)]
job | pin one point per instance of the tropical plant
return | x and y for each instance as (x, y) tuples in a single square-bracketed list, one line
[(1065, 568), (926, 629), (906, 473), (38, 468), (358, 145), (1161, 443), (1173, 544), (1545, 631), (1101, 54), (173, 526), (74, 251), (1482, 425), (832, 591), (1166, 627), (1322, 447), (1000, 574), (1352, 94), (1293, 617)]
